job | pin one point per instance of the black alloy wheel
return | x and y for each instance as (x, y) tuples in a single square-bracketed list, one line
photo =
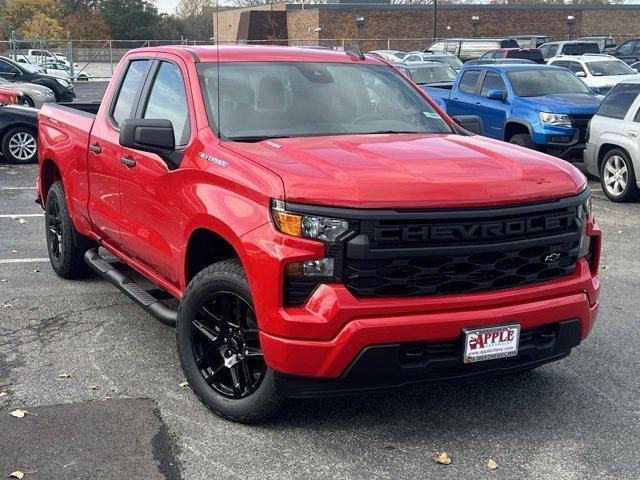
[(226, 346)]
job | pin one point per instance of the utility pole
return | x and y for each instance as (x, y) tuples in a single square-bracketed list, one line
[(435, 20)]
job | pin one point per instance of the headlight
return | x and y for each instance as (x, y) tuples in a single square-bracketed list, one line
[(559, 120), (584, 213), (310, 226), (63, 82)]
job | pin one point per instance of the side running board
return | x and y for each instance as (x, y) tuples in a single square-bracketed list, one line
[(139, 295)]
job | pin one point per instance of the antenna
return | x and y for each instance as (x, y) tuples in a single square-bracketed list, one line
[(217, 40)]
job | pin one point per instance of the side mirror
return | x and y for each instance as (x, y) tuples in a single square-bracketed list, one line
[(471, 123), (581, 74), (147, 135), (495, 94)]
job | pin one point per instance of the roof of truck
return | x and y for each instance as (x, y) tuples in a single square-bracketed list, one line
[(230, 53), (516, 66)]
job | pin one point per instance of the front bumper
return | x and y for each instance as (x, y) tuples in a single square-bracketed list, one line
[(323, 339), (563, 142)]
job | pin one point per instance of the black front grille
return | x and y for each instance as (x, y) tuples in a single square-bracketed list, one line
[(474, 251), (581, 123)]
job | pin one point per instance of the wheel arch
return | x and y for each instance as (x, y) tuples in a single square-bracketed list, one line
[(605, 148), (15, 124), (514, 127), (49, 174), (205, 246)]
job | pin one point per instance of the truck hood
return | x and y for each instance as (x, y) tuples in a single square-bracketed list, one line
[(568, 103), (411, 171)]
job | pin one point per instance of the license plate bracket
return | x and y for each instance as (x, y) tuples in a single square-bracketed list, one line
[(490, 343)]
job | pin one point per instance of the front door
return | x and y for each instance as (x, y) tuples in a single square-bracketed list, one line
[(151, 212), (493, 111)]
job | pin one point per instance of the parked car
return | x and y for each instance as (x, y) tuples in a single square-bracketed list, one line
[(33, 95), (628, 51), (18, 72), (536, 106), (390, 55), (311, 251), (532, 54), (569, 47), (500, 61), (600, 72), (10, 96), (605, 42), (62, 71), (530, 41), (444, 57), (471, 48), (612, 152), (428, 73), (38, 56), (19, 133)]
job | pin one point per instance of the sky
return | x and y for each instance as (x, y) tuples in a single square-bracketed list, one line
[(166, 6)]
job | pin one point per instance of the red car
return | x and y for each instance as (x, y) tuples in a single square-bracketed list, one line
[(325, 227), (532, 54), (10, 95)]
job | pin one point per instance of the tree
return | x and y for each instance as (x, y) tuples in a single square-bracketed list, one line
[(41, 26), (195, 17), (17, 13), (86, 23), (130, 19)]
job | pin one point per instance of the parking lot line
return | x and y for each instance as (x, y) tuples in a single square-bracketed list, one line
[(17, 188), (22, 215), (4, 261)]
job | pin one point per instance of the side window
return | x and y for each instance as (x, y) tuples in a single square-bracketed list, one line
[(617, 102), (553, 49), (469, 81), (452, 47), (168, 101), (413, 58), (437, 47), (575, 67), (132, 82), (637, 117), (545, 51), (636, 49), (492, 81), (560, 63), (7, 68), (626, 48)]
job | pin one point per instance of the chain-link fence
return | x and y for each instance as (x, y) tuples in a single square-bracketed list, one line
[(80, 59)]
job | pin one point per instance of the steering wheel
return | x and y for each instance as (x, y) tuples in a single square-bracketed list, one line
[(368, 115)]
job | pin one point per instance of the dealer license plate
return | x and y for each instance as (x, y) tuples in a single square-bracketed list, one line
[(491, 343)]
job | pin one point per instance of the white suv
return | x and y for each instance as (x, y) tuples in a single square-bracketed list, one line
[(612, 152), (600, 72)]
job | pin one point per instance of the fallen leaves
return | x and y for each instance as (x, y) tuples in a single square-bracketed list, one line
[(492, 464), (64, 375), (93, 387), (4, 394), (443, 459), (17, 474), (19, 413), (22, 221), (37, 270), (7, 305), (184, 384)]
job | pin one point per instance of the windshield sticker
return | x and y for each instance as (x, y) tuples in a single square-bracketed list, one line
[(431, 115)]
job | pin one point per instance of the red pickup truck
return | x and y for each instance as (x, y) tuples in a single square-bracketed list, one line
[(324, 226)]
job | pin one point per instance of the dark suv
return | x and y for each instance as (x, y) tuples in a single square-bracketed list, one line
[(629, 51), (14, 71), (471, 48), (532, 54)]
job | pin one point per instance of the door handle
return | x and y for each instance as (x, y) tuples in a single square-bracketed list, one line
[(631, 133), (455, 98), (127, 161), (478, 104), (95, 148)]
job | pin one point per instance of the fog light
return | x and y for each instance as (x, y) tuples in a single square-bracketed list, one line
[(311, 268)]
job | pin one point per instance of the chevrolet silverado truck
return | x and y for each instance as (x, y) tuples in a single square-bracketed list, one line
[(323, 227), (535, 106)]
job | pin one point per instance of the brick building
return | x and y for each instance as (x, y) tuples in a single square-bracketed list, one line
[(410, 26)]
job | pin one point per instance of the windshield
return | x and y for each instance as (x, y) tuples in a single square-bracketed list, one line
[(609, 67), (580, 48), (452, 60), (432, 74), (535, 83), (262, 100)]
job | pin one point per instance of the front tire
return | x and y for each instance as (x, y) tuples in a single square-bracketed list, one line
[(219, 346), (65, 254), (617, 177), (19, 145), (524, 140)]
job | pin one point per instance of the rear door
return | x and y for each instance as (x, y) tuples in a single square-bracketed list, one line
[(493, 112), (464, 100), (104, 165), (151, 213)]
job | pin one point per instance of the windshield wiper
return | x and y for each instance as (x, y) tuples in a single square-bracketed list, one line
[(256, 138)]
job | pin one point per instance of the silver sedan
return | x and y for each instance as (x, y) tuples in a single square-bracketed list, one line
[(34, 95)]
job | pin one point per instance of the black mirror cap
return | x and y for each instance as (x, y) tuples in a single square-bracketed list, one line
[(148, 135), (471, 123)]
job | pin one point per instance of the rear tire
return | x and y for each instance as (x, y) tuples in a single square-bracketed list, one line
[(524, 140), (19, 145), (219, 346), (618, 178), (65, 254)]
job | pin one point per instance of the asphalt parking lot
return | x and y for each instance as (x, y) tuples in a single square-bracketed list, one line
[(121, 412)]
